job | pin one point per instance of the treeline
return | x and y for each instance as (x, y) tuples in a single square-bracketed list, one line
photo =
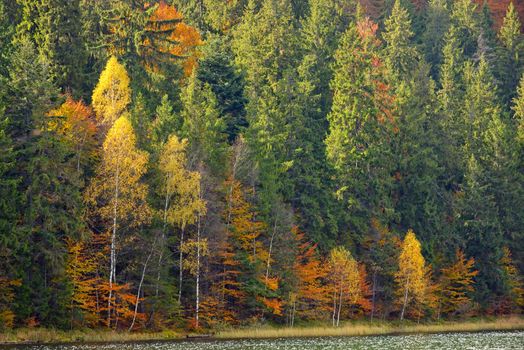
[(207, 163)]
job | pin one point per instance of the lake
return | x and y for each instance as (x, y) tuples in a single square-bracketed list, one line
[(462, 341)]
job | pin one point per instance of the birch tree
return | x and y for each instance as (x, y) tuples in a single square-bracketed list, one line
[(411, 277), (116, 194), (183, 204)]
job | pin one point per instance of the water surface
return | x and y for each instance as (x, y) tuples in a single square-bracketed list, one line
[(462, 341)]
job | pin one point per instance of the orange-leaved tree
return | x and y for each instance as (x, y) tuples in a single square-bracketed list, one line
[(81, 270), (309, 297), (74, 120), (456, 285)]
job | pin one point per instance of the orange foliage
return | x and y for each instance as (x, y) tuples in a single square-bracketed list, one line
[(311, 296), (364, 300), (273, 304), (168, 37), (75, 121), (81, 270), (455, 283), (498, 9)]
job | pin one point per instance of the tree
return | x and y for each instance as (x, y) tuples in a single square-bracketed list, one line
[(510, 53), (112, 94), (202, 125), (361, 124), (344, 280), (478, 222), (52, 26), (309, 297), (437, 25), (80, 269), (183, 202), (116, 195), (216, 68), (411, 277), (400, 55), (78, 128), (515, 285), (456, 285)]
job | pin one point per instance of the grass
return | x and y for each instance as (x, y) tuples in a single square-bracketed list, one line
[(361, 329), (44, 335), (47, 335)]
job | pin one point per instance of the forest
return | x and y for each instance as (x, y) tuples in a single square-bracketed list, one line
[(200, 164)]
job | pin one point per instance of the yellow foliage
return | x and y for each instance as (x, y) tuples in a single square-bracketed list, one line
[(112, 93), (411, 277), (116, 187), (7, 295), (180, 186), (344, 275)]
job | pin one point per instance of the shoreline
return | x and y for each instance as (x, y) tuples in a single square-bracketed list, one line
[(350, 329)]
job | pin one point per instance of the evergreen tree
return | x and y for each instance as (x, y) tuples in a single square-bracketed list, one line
[(53, 27), (479, 225), (360, 126), (509, 55), (437, 25), (216, 68)]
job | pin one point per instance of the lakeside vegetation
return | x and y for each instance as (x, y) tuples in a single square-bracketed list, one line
[(357, 328)]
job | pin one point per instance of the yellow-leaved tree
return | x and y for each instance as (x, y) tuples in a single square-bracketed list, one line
[(183, 206), (344, 280), (411, 276), (116, 195), (112, 93)]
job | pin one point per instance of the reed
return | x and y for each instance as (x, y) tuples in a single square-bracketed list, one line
[(361, 329), (47, 335)]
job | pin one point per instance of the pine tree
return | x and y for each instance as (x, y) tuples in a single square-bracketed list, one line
[(217, 69), (360, 126), (52, 26), (400, 56), (509, 54), (202, 125), (478, 223), (437, 25), (312, 199)]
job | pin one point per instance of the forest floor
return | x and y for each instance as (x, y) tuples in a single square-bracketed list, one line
[(358, 328)]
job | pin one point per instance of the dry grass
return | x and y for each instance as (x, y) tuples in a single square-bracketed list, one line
[(360, 329), (45, 335)]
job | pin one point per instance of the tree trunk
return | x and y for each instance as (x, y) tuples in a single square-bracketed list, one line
[(339, 305), (373, 294), (197, 292), (268, 264), (334, 305), (181, 268), (405, 300), (112, 270), (140, 285)]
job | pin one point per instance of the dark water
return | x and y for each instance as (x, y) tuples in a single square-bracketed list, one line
[(461, 341)]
